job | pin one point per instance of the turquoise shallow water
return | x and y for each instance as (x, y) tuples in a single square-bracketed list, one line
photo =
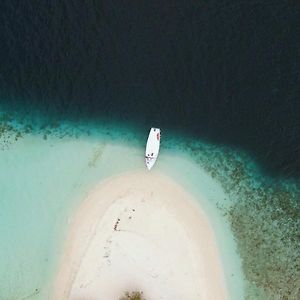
[(41, 183), (47, 170)]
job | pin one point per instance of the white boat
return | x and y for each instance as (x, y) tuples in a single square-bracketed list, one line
[(152, 147)]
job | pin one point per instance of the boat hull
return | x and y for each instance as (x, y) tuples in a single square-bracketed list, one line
[(152, 147)]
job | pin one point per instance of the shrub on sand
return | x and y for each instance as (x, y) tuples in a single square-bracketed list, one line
[(136, 295)]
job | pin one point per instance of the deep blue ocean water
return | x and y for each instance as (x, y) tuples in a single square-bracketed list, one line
[(222, 72), (226, 71)]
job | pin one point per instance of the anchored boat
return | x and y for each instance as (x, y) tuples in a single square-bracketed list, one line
[(152, 147)]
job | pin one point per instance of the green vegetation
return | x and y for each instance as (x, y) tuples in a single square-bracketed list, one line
[(136, 295)]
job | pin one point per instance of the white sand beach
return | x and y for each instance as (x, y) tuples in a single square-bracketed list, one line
[(140, 231)]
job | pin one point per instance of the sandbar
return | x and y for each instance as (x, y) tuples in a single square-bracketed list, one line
[(140, 231)]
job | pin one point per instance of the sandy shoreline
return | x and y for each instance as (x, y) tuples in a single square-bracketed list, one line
[(140, 231)]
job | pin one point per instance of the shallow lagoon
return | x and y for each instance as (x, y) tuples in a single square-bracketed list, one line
[(47, 170)]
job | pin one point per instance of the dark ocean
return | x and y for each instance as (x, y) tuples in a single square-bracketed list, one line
[(220, 78), (223, 71)]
